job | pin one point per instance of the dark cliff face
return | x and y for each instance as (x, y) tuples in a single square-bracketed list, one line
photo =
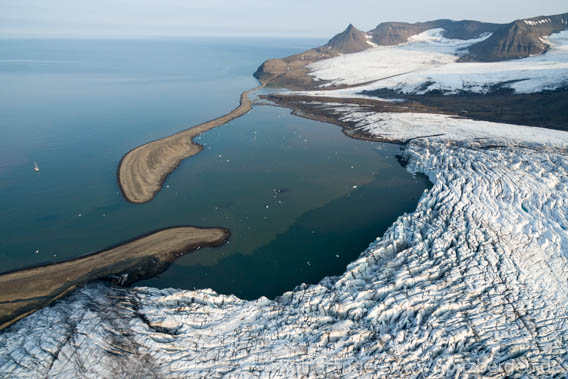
[(519, 39)]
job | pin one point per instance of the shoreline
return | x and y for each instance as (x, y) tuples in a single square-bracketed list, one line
[(298, 107), (508, 109), (143, 170), (29, 289)]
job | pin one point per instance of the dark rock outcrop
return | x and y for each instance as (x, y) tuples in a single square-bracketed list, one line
[(519, 39)]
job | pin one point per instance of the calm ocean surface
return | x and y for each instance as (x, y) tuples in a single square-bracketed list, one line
[(301, 199)]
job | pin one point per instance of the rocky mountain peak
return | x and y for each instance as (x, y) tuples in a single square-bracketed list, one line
[(351, 40)]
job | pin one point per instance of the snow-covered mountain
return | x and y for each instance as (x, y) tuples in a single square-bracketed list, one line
[(430, 62), (519, 39)]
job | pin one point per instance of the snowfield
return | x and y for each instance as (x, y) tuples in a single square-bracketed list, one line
[(404, 126), (474, 281), (428, 62)]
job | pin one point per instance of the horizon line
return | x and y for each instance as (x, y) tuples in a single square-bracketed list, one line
[(154, 36)]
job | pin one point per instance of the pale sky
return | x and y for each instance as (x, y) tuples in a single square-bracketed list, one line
[(268, 18)]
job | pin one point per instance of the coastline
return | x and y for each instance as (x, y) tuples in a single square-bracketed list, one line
[(27, 290), (142, 171), (507, 109), (310, 107)]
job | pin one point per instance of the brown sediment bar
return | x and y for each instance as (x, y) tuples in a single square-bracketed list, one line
[(143, 169), (24, 291)]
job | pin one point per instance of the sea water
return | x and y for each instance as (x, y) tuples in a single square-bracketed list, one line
[(301, 199)]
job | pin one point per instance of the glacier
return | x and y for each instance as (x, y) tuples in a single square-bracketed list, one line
[(473, 282), (401, 127), (429, 62)]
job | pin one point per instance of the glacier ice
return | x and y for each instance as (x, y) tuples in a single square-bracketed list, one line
[(473, 282), (428, 62), (410, 125)]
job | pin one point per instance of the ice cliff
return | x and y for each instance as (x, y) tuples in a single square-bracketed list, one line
[(475, 282)]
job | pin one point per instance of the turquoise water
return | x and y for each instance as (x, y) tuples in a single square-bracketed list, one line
[(300, 198)]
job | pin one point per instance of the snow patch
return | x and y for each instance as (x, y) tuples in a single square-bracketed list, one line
[(405, 126), (370, 42), (537, 22)]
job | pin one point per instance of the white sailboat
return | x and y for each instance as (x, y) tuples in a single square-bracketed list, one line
[(36, 168)]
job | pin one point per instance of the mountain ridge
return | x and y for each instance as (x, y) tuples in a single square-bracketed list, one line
[(394, 33), (518, 39)]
